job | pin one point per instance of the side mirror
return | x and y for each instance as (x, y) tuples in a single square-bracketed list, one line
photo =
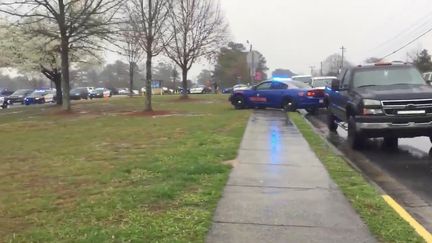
[(335, 84)]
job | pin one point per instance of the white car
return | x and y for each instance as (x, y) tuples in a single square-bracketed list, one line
[(123, 91), (240, 87), (3, 105), (200, 89), (322, 82), (428, 77), (303, 78)]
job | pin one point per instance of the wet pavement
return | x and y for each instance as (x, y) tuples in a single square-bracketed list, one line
[(280, 192), (403, 173)]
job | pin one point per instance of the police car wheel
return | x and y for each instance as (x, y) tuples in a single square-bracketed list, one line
[(289, 105), (238, 102)]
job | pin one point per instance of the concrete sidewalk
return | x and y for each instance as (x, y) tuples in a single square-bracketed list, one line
[(281, 192)]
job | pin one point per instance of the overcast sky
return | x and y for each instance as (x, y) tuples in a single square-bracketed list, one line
[(296, 34)]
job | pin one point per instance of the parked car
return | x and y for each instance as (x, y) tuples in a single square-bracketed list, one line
[(4, 103), (167, 90), (123, 91), (79, 93), (290, 96), (235, 88), (428, 77), (322, 82), (303, 78), (40, 97), (200, 89), (100, 93), (18, 96), (390, 100), (5, 92), (113, 91), (181, 91)]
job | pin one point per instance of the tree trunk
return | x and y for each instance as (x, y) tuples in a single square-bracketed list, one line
[(148, 95), (55, 76), (59, 94), (65, 74), (131, 77), (184, 94)]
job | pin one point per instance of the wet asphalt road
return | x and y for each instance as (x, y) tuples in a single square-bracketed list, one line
[(403, 173)]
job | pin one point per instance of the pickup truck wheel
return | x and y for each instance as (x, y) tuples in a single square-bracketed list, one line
[(355, 139), (391, 142), (238, 102), (289, 105), (331, 122)]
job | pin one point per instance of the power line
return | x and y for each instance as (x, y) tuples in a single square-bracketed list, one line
[(417, 25), (409, 43)]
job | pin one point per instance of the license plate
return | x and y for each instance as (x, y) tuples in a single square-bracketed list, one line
[(415, 112), (321, 101)]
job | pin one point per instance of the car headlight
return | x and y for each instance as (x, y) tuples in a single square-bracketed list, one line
[(369, 102), (372, 111)]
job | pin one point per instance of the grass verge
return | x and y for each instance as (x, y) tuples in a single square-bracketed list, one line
[(110, 173), (382, 221)]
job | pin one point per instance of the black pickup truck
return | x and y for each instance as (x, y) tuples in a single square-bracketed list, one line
[(390, 100)]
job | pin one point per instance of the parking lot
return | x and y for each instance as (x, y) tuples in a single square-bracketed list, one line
[(404, 173)]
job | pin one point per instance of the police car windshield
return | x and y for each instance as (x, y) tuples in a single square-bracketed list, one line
[(387, 76)]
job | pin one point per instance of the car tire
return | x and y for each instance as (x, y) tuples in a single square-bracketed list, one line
[(289, 105), (331, 122), (391, 142), (238, 102), (312, 111), (355, 139)]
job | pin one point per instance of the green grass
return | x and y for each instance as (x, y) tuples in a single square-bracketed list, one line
[(383, 221), (105, 175)]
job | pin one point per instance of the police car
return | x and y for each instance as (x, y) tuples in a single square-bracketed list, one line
[(289, 95)]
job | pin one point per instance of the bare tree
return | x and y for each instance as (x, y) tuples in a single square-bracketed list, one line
[(131, 49), (28, 53), (199, 30), (149, 18), (74, 24)]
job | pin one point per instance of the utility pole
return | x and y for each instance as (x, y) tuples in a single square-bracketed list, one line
[(343, 55), (312, 69), (252, 62), (321, 71)]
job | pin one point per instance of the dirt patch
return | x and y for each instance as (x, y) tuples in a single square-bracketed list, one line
[(187, 100), (66, 113), (148, 113), (232, 163)]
